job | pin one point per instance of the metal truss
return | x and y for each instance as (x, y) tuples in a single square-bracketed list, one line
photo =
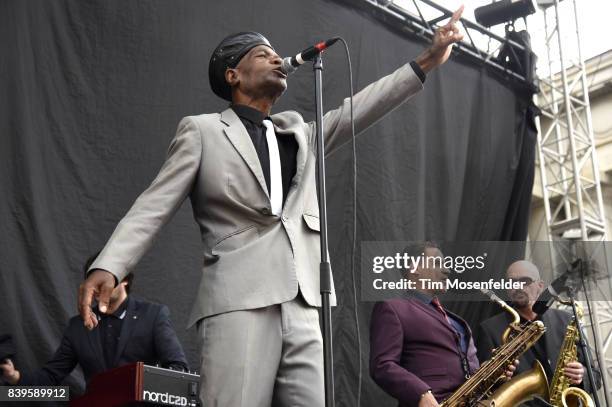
[(569, 172), (568, 162), (422, 17)]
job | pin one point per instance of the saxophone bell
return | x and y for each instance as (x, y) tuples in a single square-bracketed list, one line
[(522, 387)]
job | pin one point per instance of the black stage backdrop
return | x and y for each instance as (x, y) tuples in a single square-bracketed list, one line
[(92, 93)]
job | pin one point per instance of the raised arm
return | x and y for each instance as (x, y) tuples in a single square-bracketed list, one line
[(383, 96)]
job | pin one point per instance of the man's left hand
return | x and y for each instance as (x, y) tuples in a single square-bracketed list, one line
[(575, 372), (442, 44)]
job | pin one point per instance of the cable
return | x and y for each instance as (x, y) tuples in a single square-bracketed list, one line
[(354, 239), (593, 327)]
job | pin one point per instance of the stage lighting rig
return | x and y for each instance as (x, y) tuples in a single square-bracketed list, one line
[(521, 60), (503, 11)]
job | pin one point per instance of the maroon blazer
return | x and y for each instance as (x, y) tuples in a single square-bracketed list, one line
[(414, 349)]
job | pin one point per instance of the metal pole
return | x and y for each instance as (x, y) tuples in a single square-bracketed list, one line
[(570, 130), (583, 345), (589, 122), (325, 267)]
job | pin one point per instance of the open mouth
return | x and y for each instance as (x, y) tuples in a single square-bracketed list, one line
[(280, 73)]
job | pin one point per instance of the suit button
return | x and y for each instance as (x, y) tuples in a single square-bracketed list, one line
[(265, 211)]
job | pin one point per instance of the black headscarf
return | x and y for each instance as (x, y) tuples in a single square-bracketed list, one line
[(227, 55)]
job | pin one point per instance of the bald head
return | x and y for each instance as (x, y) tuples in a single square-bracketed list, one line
[(528, 274), (523, 268)]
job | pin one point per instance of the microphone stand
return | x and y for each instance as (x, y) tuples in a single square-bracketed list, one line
[(325, 267), (584, 347)]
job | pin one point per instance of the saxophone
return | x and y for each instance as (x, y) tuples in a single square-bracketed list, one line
[(517, 338), (561, 393)]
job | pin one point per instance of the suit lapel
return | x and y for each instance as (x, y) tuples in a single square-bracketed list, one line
[(239, 137), (302, 153), (93, 338), (551, 341), (437, 315), (127, 328), (462, 321)]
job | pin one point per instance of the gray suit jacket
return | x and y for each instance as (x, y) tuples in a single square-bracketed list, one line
[(252, 258)]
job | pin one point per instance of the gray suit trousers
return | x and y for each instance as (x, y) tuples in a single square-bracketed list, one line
[(271, 356)]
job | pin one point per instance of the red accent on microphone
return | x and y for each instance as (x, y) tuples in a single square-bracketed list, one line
[(321, 46)]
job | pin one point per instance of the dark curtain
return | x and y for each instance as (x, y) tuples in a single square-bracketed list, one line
[(93, 91)]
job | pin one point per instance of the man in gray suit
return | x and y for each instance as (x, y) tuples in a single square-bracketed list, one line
[(251, 180)]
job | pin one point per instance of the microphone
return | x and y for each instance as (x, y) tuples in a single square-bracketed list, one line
[(291, 64), (552, 292)]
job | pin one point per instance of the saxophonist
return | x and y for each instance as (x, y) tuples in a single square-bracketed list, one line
[(546, 350), (420, 353)]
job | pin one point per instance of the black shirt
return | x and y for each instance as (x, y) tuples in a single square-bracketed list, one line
[(287, 146), (418, 71), (110, 331)]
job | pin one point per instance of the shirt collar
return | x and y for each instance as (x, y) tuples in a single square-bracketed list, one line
[(421, 296), (523, 319), (250, 114), (119, 312)]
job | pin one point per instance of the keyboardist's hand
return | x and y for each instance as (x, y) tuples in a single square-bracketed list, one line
[(99, 284), (8, 372)]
